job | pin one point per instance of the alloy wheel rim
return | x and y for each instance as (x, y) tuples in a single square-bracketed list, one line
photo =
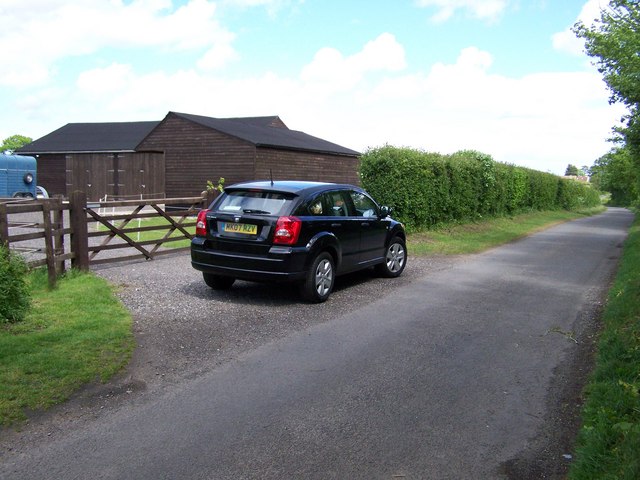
[(324, 277), (395, 257)]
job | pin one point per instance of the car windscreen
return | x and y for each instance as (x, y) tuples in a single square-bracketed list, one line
[(255, 202)]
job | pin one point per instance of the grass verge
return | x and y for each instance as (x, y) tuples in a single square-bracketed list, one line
[(608, 445), (74, 334), (479, 236)]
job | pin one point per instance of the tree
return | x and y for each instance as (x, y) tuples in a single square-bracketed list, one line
[(572, 170), (14, 142), (614, 42), (616, 173)]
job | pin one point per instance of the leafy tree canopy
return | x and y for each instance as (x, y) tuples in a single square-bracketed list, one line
[(613, 41), (14, 142), (572, 170), (616, 173)]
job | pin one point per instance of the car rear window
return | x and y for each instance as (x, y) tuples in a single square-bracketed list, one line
[(257, 202)]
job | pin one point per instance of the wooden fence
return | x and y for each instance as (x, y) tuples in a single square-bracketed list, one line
[(54, 232)]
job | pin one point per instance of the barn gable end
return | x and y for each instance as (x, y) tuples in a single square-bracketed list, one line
[(194, 154)]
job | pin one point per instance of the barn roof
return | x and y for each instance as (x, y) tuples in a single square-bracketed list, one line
[(269, 132), (263, 132), (91, 137)]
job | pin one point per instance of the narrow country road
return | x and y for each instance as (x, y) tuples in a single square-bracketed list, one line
[(453, 377)]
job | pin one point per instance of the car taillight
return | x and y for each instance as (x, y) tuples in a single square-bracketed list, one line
[(201, 224), (287, 230)]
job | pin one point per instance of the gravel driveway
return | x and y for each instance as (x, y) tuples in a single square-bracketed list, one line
[(184, 328)]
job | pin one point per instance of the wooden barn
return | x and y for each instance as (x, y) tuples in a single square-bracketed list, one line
[(176, 156), (97, 158)]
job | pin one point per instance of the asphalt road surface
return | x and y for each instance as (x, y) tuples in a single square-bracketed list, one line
[(452, 377)]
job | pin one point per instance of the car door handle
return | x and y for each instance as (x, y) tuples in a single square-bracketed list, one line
[(336, 225), (365, 224)]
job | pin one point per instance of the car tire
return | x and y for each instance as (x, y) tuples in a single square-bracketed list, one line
[(218, 282), (320, 278), (395, 259)]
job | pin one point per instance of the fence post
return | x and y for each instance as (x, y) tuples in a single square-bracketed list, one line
[(58, 227), (4, 225), (79, 234), (48, 242)]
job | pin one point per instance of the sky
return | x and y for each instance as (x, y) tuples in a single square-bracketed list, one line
[(504, 77)]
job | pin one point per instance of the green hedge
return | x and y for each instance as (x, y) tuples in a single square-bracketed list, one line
[(426, 188), (14, 290)]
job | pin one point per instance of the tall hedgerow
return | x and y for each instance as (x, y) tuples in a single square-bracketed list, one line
[(427, 188), (15, 298)]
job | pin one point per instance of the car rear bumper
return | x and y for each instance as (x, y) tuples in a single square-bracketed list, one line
[(279, 264)]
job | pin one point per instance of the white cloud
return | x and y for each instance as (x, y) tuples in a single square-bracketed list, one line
[(37, 34), (544, 121), (489, 10), (219, 55), (330, 71), (368, 98), (101, 81), (566, 41)]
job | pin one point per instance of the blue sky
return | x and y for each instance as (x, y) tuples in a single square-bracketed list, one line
[(505, 77)]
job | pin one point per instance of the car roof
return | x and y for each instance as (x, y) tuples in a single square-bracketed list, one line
[(297, 187)]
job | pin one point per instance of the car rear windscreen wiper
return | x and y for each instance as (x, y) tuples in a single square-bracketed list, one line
[(259, 212)]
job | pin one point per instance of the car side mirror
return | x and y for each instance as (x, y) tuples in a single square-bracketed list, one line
[(385, 211)]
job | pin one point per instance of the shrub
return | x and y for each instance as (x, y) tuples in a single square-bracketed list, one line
[(426, 189), (14, 290)]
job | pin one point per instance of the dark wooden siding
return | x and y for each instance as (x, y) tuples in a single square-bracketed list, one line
[(141, 174), (290, 165), (121, 175), (89, 173), (51, 173), (194, 154)]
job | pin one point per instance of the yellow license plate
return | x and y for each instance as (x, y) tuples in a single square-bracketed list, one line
[(243, 228)]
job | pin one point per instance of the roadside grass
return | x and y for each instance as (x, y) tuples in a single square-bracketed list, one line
[(474, 237), (608, 445), (74, 334)]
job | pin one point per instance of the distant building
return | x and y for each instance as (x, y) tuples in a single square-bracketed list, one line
[(578, 178), (176, 156)]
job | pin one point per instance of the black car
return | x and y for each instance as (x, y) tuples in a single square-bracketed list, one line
[(305, 232)]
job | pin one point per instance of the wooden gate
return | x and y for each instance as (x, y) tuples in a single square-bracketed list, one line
[(118, 225), (54, 231)]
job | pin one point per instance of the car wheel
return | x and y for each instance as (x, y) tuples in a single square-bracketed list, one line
[(218, 282), (318, 284), (395, 259)]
